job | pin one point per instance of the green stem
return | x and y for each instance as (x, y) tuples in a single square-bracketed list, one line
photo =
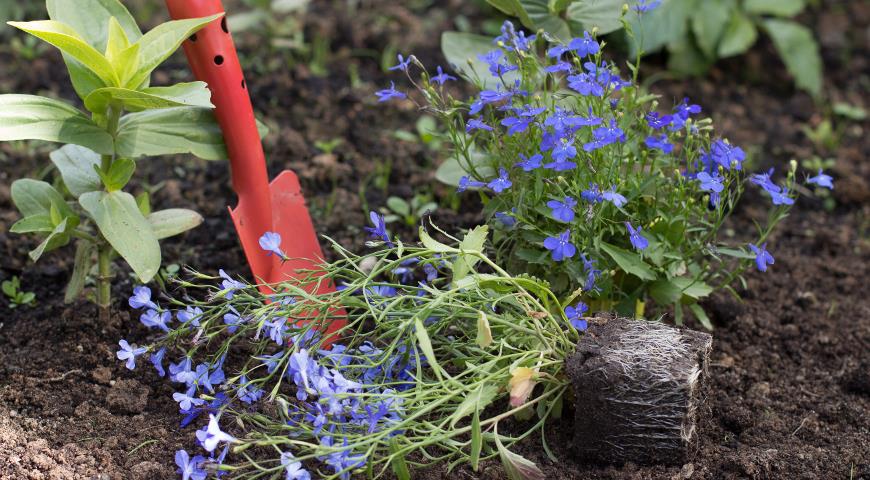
[(104, 280)]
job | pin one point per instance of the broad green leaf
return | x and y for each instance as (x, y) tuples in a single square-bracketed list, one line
[(799, 52), (161, 42), (399, 206), (41, 223), (474, 402), (81, 267), (170, 131), (692, 288), (629, 262), (118, 175), (653, 30), (513, 8), (28, 117), (90, 18), (34, 197), (168, 223), (739, 35), (666, 291), (426, 346), (557, 6), (601, 14), (780, 8), (516, 466), (433, 244), (709, 22), (685, 58), (473, 241), (117, 41), (461, 51), (69, 42), (76, 165), (701, 315), (397, 461), (56, 239), (195, 94), (126, 229), (544, 18), (451, 171)]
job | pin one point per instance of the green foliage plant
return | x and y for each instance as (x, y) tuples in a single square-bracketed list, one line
[(17, 297), (123, 119)]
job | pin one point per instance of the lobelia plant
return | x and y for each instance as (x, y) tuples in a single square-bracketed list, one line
[(110, 62), (588, 185), (441, 347)]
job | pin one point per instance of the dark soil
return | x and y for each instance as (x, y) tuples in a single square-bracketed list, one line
[(790, 379)]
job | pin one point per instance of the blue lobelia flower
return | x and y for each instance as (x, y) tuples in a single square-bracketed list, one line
[(560, 66), (603, 136), (379, 228), (575, 316), (388, 94), (614, 197), (475, 124), (142, 298), (563, 211), (233, 319), (516, 124), (584, 46), (562, 152), (152, 318), (189, 468), (530, 163), (591, 273), (129, 353), (211, 435), (229, 285), (781, 197), (638, 241), (585, 84), (644, 6), (763, 258), (500, 183), (292, 468), (727, 155), (465, 183), (822, 180), (560, 246), (442, 77), (190, 315), (404, 63), (271, 243), (657, 122), (659, 143), (157, 361), (764, 181), (710, 183), (557, 51), (493, 59), (186, 401), (592, 194)]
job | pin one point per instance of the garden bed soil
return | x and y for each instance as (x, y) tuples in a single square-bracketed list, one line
[(790, 368)]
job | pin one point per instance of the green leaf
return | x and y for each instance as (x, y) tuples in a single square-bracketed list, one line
[(34, 197), (28, 117), (426, 345), (543, 17), (161, 42), (601, 14), (473, 241), (81, 267), (118, 175), (629, 262), (799, 52), (735, 252), (76, 165), (56, 239), (168, 223), (432, 244), (399, 206), (709, 24), (171, 131), (474, 402), (143, 200), (701, 315), (476, 442), (451, 171), (671, 291), (40, 223), (194, 94), (739, 35), (685, 58), (117, 41), (70, 43), (780, 8), (397, 461), (484, 332), (516, 466), (126, 229), (653, 30), (514, 8), (461, 51)]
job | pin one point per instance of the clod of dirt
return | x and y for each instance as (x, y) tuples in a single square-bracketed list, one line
[(102, 375), (149, 471), (127, 396), (639, 388)]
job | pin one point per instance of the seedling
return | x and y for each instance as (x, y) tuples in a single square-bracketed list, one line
[(411, 212), (110, 62), (17, 297)]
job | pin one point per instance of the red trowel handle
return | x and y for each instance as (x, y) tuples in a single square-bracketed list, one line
[(213, 59)]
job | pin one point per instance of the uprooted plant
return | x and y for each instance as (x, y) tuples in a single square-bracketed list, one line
[(110, 63), (435, 356)]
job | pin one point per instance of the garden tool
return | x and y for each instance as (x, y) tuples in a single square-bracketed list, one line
[(262, 206)]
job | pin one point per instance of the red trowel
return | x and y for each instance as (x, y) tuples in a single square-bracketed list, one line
[(263, 206)]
